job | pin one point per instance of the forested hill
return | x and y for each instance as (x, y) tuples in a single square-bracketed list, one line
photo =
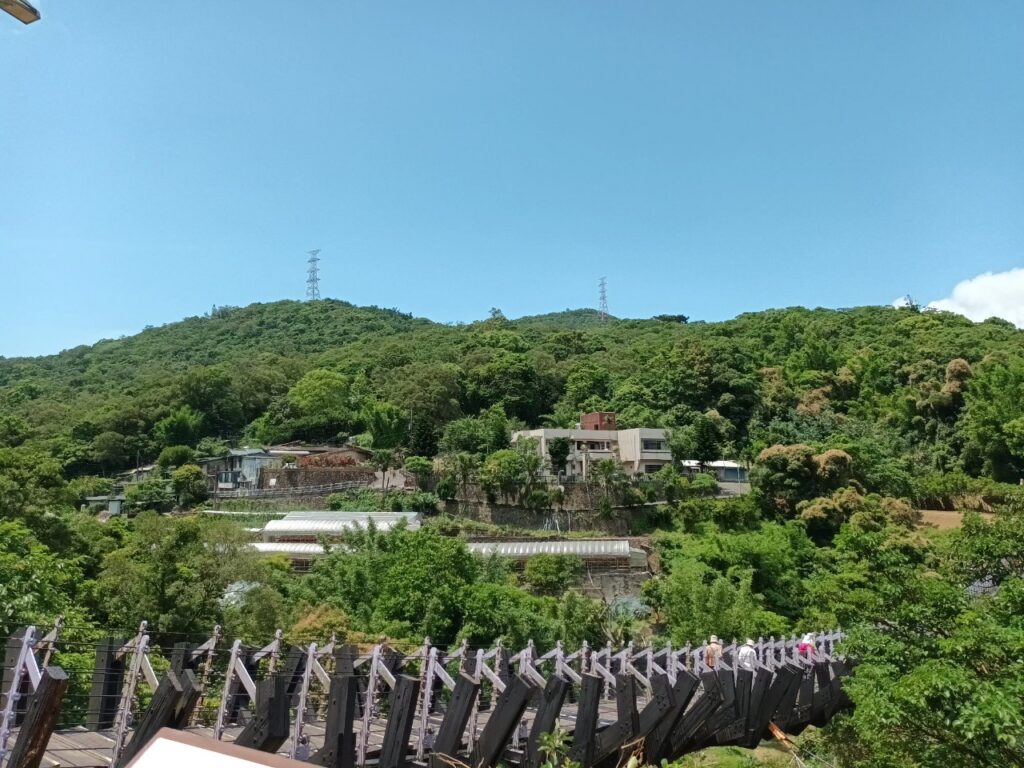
[(906, 393)]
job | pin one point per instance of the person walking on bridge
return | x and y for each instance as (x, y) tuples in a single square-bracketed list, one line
[(746, 657), (806, 647), (713, 652)]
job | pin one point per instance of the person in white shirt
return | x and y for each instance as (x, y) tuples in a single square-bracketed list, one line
[(746, 657)]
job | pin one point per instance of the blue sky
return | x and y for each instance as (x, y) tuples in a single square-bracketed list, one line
[(157, 158)]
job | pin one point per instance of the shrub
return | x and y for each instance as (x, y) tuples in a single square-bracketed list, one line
[(175, 456), (704, 485), (552, 574)]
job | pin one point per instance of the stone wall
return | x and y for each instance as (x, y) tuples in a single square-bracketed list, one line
[(579, 496), (517, 517)]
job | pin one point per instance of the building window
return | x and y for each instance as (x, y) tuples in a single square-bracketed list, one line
[(653, 445), (650, 469)]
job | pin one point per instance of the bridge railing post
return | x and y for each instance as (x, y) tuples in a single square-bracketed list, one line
[(24, 666), (300, 748), (139, 669), (209, 648)]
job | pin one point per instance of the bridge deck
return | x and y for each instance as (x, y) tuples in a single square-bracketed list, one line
[(80, 748)]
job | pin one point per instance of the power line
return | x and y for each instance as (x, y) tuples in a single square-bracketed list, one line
[(313, 275), (602, 306)]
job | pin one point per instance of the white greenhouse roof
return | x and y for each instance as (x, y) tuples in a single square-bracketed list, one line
[(588, 548), (316, 526), (327, 523), (288, 548), (359, 517)]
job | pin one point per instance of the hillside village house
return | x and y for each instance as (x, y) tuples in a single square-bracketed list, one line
[(241, 467), (641, 451), (597, 437)]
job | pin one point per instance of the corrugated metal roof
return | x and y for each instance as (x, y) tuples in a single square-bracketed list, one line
[(587, 548), (360, 517), (322, 525), (287, 548)]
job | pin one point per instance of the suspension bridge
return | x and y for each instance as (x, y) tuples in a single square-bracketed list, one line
[(378, 707)]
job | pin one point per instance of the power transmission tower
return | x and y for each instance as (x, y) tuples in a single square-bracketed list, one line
[(313, 275), (602, 307)]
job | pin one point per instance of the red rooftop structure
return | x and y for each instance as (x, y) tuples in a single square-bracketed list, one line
[(598, 420)]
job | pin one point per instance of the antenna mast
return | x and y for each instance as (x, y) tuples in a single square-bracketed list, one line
[(313, 275), (602, 307)]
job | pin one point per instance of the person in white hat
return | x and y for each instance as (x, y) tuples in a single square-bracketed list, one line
[(746, 657), (713, 653)]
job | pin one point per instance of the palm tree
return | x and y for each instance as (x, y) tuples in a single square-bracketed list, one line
[(610, 476), (384, 460), (464, 466)]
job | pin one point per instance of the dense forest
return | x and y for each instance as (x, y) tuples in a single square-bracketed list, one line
[(852, 422), (906, 393)]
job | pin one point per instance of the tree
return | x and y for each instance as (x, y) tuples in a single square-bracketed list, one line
[(512, 472), (212, 447), (938, 680), (108, 450), (696, 602), (483, 434), (994, 410), (36, 586), (321, 403), (189, 483), (209, 391), (507, 612), (422, 468), (173, 572), (175, 456), (384, 460), (701, 440), (513, 381), (706, 440), (386, 423), (785, 475), (462, 468), (552, 574), (559, 449), (503, 472), (404, 583), (184, 426), (13, 430), (427, 395), (611, 477), (154, 495)]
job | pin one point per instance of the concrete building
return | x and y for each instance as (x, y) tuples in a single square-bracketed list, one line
[(724, 471), (240, 468), (640, 451)]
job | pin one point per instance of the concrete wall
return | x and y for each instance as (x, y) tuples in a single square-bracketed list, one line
[(517, 517)]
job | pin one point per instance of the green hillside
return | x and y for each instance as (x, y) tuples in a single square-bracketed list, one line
[(907, 393), (852, 420)]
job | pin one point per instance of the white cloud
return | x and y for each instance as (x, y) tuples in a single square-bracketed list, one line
[(991, 294), (901, 302)]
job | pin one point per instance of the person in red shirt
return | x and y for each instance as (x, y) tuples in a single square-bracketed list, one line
[(806, 647)]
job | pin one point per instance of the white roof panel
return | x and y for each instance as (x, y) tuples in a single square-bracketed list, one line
[(287, 548), (412, 517), (587, 548), (318, 526)]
